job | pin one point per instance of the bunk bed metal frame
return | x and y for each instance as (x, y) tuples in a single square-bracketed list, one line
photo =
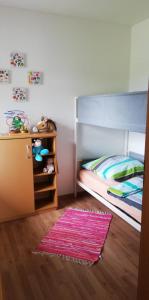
[(89, 111)]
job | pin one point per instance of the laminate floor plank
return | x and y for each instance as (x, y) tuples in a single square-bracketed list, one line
[(26, 276)]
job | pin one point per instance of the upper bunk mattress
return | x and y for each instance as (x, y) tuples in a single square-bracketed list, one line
[(99, 186)]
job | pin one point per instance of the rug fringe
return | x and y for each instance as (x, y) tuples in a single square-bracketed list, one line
[(67, 258), (89, 210)]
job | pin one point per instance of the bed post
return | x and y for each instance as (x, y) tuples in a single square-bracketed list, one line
[(75, 150), (126, 145)]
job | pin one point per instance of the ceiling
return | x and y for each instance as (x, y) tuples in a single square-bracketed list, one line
[(118, 11)]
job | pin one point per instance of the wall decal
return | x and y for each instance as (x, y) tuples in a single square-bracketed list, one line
[(4, 76), (19, 94), (34, 77), (17, 59)]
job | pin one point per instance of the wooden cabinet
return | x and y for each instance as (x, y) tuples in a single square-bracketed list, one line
[(24, 188)]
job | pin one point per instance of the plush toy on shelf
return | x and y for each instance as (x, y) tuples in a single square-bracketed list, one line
[(46, 125), (18, 125), (38, 150), (49, 166)]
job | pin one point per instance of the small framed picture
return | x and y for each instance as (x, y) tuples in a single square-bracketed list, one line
[(34, 77), (4, 76), (17, 59), (19, 94)]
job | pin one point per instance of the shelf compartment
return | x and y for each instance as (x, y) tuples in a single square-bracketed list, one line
[(48, 143), (46, 200), (43, 187), (44, 179), (44, 204), (39, 166)]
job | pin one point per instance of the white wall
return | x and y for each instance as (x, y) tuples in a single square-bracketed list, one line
[(77, 57), (139, 71), (139, 59), (136, 142)]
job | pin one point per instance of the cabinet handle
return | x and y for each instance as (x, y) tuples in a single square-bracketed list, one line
[(28, 152)]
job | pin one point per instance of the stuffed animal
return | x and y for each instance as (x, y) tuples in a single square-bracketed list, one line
[(49, 167), (17, 122), (46, 125), (38, 150), (17, 125)]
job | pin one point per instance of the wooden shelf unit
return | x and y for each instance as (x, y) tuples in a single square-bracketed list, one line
[(24, 188), (44, 182)]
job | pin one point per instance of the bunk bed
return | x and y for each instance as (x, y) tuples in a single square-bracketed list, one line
[(102, 127)]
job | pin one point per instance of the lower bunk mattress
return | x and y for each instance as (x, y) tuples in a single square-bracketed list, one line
[(99, 186)]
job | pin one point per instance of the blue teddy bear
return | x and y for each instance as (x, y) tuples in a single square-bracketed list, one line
[(38, 150)]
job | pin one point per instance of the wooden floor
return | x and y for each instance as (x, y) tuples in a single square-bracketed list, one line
[(26, 276)]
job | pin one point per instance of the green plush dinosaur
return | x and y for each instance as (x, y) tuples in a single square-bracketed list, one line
[(17, 123)]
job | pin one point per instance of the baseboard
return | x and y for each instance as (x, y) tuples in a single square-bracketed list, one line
[(70, 196), (66, 196)]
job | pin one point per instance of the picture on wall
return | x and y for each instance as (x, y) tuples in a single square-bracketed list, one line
[(17, 59), (34, 78), (4, 76), (19, 94)]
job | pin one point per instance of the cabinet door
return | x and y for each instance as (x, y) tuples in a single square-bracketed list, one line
[(16, 178)]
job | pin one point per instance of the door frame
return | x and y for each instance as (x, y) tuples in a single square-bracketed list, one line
[(143, 276)]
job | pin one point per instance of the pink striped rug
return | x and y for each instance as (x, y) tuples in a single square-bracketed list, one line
[(78, 235)]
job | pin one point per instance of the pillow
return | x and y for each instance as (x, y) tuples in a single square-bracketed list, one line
[(117, 167), (85, 161)]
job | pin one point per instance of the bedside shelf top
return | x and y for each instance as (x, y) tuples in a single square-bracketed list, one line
[(44, 155), (41, 174), (28, 135), (44, 188)]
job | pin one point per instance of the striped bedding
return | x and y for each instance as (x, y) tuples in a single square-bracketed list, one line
[(127, 175), (117, 167), (99, 186), (130, 191), (135, 200)]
